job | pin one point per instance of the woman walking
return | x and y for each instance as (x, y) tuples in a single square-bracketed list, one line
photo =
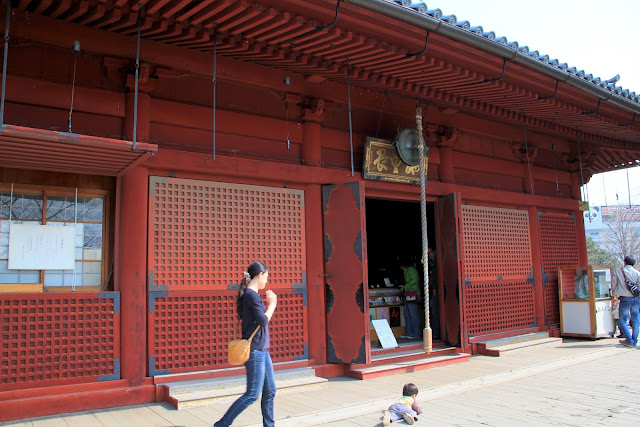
[(260, 378)]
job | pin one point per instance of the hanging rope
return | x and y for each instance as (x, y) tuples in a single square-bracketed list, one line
[(76, 49), (586, 192), (526, 146), (384, 100), (215, 84), (286, 109), (555, 171), (4, 62), (135, 100), (350, 126), (393, 113), (604, 190), (10, 206), (627, 169), (580, 160), (428, 344), (75, 227)]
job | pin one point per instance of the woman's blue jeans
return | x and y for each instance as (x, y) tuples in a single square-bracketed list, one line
[(260, 380), (629, 309)]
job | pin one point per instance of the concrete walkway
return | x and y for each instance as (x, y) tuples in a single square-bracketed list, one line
[(578, 382)]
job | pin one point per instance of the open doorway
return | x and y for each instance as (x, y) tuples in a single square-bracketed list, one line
[(394, 239)]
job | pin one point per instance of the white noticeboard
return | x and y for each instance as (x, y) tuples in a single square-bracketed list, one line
[(385, 335), (576, 317), (605, 325), (40, 247)]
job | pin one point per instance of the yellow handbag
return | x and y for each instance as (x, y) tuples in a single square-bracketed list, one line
[(239, 350)]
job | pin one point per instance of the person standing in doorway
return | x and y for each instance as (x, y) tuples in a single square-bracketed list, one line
[(412, 294), (260, 377), (629, 309)]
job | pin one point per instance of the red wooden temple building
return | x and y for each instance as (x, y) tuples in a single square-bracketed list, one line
[(182, 140)]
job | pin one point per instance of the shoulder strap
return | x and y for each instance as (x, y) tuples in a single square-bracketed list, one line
[(623, 275), (240, 330), (254, 332)]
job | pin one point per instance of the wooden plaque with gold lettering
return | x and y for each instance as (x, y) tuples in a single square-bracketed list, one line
[(381, 162)]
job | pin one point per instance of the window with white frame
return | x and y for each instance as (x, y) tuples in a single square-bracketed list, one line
[(56, 207)]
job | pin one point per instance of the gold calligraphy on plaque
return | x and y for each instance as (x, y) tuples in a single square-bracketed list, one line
[(382, 162)]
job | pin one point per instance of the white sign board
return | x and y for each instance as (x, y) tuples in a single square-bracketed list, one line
[(605, 325), (576, 317), (385, 335), (41, 247)]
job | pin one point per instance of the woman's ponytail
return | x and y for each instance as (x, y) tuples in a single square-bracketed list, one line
[(253, 270), (241, 291)]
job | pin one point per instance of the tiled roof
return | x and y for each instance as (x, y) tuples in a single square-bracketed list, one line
[(437, 14)]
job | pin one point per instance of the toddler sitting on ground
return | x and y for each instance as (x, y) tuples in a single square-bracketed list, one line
[(406, 407)]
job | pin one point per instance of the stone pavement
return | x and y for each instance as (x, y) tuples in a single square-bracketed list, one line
[(578, 382)]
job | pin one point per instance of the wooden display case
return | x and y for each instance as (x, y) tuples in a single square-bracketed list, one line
[(387, 303), (585, 301)]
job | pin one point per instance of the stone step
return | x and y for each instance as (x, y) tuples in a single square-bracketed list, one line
[(515, 339), (191, 394), (404, 355), (518, 342), (400, 365)]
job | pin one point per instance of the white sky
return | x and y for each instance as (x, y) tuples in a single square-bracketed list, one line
[(600, 37)]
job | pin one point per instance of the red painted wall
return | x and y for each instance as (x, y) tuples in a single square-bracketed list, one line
[(251, 131)]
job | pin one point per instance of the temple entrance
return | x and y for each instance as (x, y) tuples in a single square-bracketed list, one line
[(394, 241)]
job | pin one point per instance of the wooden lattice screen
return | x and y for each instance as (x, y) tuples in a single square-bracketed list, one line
[(202, 236), (56, 339), (189, 331), (497, 268), (559, 244)]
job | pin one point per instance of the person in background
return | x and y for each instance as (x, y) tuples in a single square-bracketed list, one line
[(260, 377), (615, 313), (629, 309), (411, 289)]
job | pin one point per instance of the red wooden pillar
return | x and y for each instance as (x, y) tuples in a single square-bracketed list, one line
[(132, 260), (536, 262), (446, 164), (132, 240), (316, 308), (311, 152), (445, 138)]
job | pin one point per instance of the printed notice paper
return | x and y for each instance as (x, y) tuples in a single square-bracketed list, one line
[(385, 335), (41, 247)]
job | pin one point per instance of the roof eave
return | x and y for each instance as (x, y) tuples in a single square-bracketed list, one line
[(458, 34)]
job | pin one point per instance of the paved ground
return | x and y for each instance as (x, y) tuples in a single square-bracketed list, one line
[(576, 383)]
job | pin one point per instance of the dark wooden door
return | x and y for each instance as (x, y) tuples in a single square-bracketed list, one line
[(345, 257), (450, 246)]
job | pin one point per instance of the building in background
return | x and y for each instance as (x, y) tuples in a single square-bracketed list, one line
[(598, 219), (263, 129)]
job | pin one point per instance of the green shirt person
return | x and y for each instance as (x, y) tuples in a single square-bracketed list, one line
[(411, 314), (411, 280)]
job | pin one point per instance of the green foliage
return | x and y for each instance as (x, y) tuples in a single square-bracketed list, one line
[(599, 256)]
